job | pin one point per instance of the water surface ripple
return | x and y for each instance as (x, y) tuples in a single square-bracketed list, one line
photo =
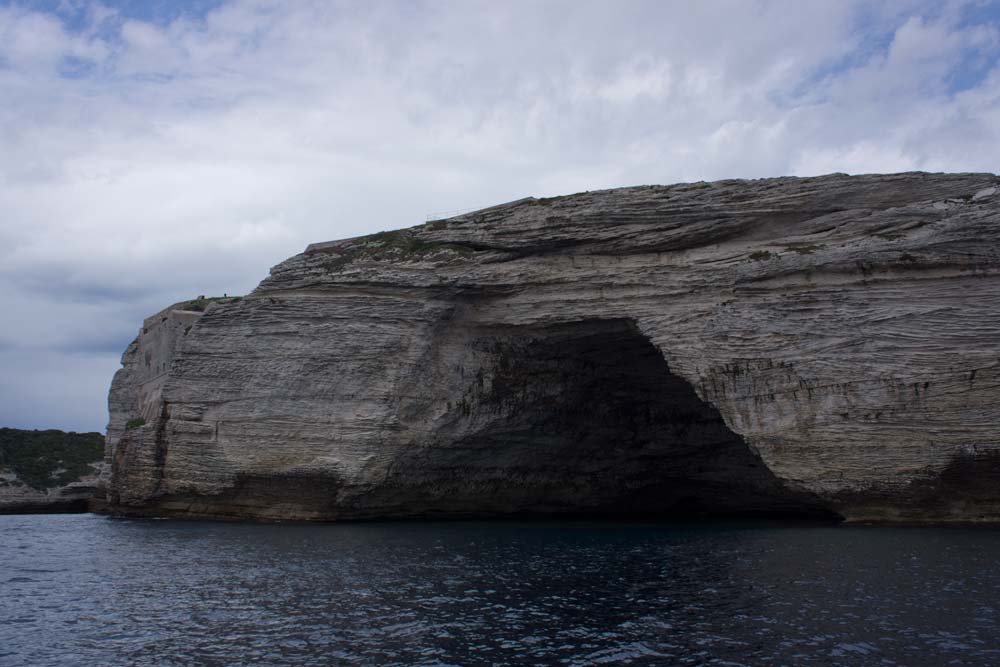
[(86, 590)]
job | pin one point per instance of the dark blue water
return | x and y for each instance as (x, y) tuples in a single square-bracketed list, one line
[(84, 590)]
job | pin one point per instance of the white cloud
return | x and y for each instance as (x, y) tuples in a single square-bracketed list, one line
[(143, 162), (32, 42)]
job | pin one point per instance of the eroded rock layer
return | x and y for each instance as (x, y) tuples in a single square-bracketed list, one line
[(825, 346)]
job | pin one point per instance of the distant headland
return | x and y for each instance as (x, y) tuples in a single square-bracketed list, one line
[(48, 471)]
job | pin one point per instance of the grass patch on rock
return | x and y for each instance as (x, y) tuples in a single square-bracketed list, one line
[(395, 246), (202, 302), (804, 248)]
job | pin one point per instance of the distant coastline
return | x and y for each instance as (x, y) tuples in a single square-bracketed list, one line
[(48, 471)]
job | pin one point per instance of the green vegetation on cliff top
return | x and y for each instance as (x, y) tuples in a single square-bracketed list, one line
[(201, 303), (394, 245), (45, 459)]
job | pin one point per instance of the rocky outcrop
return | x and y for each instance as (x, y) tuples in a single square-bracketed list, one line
[(825, 346), (16, 497)]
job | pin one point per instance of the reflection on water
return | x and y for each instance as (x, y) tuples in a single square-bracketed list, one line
[(85, 590)]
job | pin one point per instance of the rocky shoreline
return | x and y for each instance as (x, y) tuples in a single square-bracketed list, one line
[(73, 498)]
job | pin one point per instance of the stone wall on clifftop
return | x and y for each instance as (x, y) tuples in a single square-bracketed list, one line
[(825, 346)]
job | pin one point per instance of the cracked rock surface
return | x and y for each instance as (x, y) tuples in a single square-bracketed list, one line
[(825, 346)]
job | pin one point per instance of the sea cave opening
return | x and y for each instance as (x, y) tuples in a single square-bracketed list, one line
[(588, 419)]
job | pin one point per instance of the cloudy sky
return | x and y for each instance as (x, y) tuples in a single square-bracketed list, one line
[(154, 150)]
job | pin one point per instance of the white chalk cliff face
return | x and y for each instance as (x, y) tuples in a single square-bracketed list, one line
[(826, 346)]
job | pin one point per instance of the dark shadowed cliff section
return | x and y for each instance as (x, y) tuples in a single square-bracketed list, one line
[(822, 346)]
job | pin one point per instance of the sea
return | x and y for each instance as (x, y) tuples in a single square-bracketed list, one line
[(85, 590)]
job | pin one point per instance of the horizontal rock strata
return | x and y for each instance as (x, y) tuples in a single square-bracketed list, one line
[(827, 346), (19, 498)]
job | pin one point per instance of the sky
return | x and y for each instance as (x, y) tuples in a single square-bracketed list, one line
[(152, 151)]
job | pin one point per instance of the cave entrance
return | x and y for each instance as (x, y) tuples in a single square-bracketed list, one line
[(587, 418)]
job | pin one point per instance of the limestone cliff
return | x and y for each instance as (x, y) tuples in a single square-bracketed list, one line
[(816, 345)]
